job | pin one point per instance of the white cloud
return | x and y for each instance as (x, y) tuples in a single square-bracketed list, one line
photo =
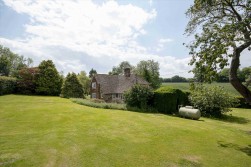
[(78, 35), (162, 42)]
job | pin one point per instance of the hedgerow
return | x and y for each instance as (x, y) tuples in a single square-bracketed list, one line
[(7, 85)]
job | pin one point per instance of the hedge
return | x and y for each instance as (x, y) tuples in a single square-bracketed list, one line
[(166, 99), (7, 85)]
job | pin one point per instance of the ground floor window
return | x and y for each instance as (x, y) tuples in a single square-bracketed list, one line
[(117, 96), (94, 95)]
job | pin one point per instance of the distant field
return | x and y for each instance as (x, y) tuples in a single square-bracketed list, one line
[(185, 86)]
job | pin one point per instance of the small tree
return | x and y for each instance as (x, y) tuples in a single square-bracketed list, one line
[(72, 87), (49, 81), (211, 101), (138, 96), (26, 83), (92, 73), (84, 81)]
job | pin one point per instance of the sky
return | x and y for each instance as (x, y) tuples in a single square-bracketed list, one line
[(80, 34)]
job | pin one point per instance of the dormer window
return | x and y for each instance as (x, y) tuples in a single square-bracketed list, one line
[(94, 85)]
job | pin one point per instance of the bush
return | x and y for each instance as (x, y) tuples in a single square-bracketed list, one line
[(7, 85), (139, 96), (26, 83), (212, 101), (166, 99), (72, 87), (99, 104), (48, 82), (242, 102)]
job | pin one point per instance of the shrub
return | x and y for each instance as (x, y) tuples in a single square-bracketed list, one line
[(212, 101), (242, 102), (99, 104), (48, 82), (7, 85), (97, 100), (26, 83), (139, 96), (72, 87), (166, 99)]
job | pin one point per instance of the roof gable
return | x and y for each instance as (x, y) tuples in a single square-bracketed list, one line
[(117, 83)]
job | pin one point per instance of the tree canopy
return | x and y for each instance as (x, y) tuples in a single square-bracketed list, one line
[(119, 70), (10, 62), (225, 32), (72, 87), (149, 70), (84, 81), (92, 72), (49, 81)]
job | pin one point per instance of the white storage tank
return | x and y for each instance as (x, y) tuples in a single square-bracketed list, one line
[(189, 112)]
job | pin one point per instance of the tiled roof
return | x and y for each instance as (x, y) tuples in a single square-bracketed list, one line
[(118, 83)]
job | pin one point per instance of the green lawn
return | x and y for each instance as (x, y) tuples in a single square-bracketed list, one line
[(52, 131), (185, 86)]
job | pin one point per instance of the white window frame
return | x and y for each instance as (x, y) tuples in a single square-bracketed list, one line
[(93, 85), (94, 95)]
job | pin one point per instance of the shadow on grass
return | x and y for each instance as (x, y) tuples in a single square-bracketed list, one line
[(246, 150), (233, 119)]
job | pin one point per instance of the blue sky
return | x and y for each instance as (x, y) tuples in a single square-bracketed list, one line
[(82, 34)]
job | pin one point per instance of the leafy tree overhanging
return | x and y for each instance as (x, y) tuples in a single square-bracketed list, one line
[(225, 33)]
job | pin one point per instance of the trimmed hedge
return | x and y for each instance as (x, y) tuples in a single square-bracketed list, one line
[(7, 85), (166, 99)]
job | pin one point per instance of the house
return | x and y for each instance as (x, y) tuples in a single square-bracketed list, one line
[(112, 87)]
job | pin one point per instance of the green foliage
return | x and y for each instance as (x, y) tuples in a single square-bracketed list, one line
[(224, 33), (166, 99), (242, 103), (119, 70), (212, 101), (139, 96), (49, 81), (72, 87), (26, 83), (92, 72), (84, 81), (10, 62), (149, 70), (223, 75), (7, 85), (177, 78), (97, 103)]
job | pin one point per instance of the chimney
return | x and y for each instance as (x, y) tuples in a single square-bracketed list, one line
[(127, 72)]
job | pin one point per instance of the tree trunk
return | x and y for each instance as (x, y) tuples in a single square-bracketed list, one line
[(243, 90)]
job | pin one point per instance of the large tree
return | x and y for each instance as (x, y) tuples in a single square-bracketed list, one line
[(119, 70), (225, 32), (149, 70), (11, 63), (48, 81)]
